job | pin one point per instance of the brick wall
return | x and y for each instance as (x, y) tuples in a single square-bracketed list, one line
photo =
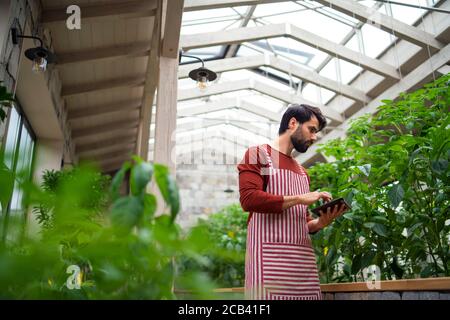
[(202, 190), (388, 295)]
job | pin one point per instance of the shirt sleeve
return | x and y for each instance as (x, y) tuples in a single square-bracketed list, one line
[(253, 197)]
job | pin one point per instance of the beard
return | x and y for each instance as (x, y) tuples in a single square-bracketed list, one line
[(300, 144)]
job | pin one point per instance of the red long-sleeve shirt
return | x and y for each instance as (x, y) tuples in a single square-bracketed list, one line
[(252, 184)]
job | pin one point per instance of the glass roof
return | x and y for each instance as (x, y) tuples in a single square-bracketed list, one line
[(323, 21)]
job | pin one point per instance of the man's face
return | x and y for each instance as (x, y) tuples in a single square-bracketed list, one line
[(305, 134)]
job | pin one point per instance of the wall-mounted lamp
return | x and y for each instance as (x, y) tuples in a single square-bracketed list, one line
[(202, 75), (39, 56)]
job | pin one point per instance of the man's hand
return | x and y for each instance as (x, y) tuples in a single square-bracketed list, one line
[(311, 197), (327, 217)]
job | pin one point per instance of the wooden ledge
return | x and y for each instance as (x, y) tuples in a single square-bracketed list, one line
[(429, 284)]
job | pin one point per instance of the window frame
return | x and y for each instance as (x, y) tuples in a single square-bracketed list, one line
[(23, 124)]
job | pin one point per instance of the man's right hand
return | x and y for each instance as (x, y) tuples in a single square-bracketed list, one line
[(311, 197), (305, 199)]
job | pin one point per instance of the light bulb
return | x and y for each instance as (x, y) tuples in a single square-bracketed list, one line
[(202, 83), (39, 65)]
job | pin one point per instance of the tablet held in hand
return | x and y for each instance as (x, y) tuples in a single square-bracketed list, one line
[(331, 204)]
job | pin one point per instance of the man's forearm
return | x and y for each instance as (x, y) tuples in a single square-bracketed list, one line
[(290, 201)]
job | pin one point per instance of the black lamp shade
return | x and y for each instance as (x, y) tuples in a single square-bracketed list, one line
[(201, 72), (40, 52)]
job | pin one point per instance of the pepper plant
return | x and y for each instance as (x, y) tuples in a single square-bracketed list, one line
[(393, 170), (103, 247)]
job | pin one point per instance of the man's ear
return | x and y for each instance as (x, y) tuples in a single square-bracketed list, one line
[(292, 123)]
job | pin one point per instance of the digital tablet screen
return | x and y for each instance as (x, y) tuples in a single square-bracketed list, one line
[(329, 204)]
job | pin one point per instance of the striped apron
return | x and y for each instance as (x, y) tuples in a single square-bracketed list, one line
[(280, 262)]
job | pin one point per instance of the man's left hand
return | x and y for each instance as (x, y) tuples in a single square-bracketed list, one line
[(327, 217)]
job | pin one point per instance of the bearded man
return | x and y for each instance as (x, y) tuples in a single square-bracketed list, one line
[(280, 261)]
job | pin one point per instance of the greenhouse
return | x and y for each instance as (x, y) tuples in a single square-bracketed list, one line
[(183, 149)]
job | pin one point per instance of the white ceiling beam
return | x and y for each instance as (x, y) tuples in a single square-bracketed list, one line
[(385, 23), (319, 80), (229, 149), (112, 167), (106, 149), (233, 49), (106, 127), (260, 87), (123, 152), (240, 35), (131, 50), (444, 70), (417, 76), (207, 107), (217, 88), (172, 29), (113, 163), (274, 62), (223, 65), (193, 5), (123, 9), (150, 85), (86, 112), (142, 8), (339, 51), (255, 109), (187, 137), (206, 141), (329, 112), (237, 35), (228, 103), (206, 123), (166, 99), (83, 88), (123, 139), (217, 134)]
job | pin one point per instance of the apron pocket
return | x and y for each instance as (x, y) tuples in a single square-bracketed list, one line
[(289, 271)]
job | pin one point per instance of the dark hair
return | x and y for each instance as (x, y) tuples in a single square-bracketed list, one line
[(302, 113)]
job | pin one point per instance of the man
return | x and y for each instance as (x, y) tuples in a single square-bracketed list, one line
[(280, 261)]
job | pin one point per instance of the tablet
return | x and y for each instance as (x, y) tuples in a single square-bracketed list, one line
[(332, 203)]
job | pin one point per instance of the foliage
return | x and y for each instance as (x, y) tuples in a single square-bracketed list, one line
[(393, 169), (224, 257), (95, 200), (124, 252)]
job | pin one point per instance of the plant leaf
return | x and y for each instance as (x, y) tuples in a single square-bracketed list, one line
[(365, 169), (116, 182), (378, 228), (168, 188), (127, 211), (141, 174), (150, 205), (395, 195), (356, 264)]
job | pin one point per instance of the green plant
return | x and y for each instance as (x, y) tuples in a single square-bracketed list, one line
[(224, 257), (124, 252), (95, 201), (393, 169)]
